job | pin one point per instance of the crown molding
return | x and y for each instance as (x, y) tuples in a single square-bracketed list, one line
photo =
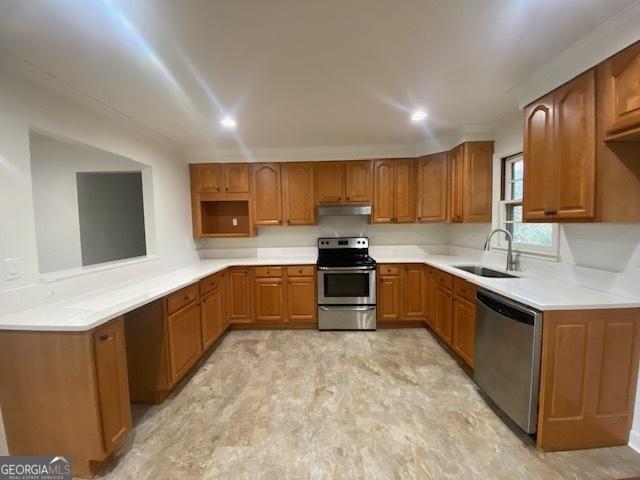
[(609, 38), (48, 80), (464, 133), (303, 154)]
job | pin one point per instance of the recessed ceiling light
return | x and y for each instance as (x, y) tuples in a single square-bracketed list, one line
[(228, 122), (418, 116)]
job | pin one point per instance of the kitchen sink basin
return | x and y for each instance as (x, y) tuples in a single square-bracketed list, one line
[(485, 272)]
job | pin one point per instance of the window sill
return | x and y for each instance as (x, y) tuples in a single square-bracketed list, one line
[(58, 275)]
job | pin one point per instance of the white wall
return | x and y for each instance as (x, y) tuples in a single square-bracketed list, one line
[(27, 106), (54, 164)]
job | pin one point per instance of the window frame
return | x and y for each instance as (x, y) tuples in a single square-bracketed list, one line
[(506, 200)]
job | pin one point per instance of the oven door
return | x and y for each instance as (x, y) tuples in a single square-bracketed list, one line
[(346, 287)]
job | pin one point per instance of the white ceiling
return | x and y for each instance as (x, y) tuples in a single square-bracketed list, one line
[(297, 73)]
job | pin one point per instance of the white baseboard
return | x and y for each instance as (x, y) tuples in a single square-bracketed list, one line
[(634, 440)]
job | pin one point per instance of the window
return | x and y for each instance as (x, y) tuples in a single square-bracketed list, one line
[(540, 238)]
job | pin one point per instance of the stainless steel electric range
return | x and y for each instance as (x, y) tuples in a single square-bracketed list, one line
[(346, 284)]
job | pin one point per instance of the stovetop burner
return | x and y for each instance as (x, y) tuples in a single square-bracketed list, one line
[(348, 252)]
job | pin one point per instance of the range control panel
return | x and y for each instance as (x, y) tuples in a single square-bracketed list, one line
[(348, 242)]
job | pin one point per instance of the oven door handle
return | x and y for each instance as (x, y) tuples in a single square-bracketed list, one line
[(345, 269), (357, 308)]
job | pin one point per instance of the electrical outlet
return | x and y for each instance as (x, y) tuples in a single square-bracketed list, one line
[(10, 268), (235, 222)]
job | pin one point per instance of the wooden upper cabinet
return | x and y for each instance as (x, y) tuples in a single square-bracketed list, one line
[(383, 191), (433, 188), (477, 183), (575, 148), (298, 193), (560, 153), (539, 164), (236, 177), (330, 182), (113, 385), (404, 195), (206, 177), (358, 181), (394, 191), (219, 177), (621, 95), (267, 198), (456, 160)]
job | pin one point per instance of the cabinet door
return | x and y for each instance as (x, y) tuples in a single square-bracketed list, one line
[(113, 384), (267, 200), (358, 181), (414, 280), (389, 298), (185, 343), (383, 191), (444, 307), (539, 161), (575, 149), (330, 182), (298, 192), (301, 299), (456, 161), (477, 183), (236, 177), (269, 299), (206, 177), (433, 188), (430, 296), (239, 295), (212, 312), (405, 191), (464, 329), (622, 94)]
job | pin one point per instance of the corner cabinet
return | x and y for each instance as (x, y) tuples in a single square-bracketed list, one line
[(471, 182), (560, 154), (621, 95), (394, 191)]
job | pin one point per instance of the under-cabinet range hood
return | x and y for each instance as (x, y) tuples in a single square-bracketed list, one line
[(343, 210)]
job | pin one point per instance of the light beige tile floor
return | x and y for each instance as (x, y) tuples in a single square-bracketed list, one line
[(324, 405)]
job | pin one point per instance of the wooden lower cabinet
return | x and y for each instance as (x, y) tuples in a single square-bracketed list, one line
[(212, 316), (464, 329), (185, 342), (415, 281), (301, 299), (65, 393), (389, 293), (444, 313), (588, 378), (269, 299), (239, 295)]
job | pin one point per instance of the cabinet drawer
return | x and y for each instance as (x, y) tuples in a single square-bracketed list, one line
[(183, 297), (444, 279), (301, 271), (464, 289), (209, 283), (389, 269), (268, 271)]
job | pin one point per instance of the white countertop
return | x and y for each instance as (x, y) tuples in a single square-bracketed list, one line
[(87, 311)]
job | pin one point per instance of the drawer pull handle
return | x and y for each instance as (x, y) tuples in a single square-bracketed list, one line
[(103, 337), (550, 212), (186, 297)]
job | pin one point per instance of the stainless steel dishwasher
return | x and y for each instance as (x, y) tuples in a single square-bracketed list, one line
[(507, 356)]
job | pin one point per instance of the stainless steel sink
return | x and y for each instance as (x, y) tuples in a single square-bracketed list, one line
[(484, 272)]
